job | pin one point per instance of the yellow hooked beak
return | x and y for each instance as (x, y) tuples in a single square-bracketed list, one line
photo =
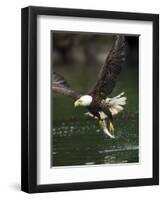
[(76, 103)]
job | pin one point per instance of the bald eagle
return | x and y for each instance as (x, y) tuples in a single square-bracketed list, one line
[(99, 105)]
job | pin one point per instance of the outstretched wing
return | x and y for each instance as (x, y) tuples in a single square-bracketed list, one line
[(110, 70), (59, 85)]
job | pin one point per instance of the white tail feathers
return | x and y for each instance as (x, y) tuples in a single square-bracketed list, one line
[(116, 103)]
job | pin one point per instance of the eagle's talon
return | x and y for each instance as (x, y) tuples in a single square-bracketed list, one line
[(101, 124), (111, 127)]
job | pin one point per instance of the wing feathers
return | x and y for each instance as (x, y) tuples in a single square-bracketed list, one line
[(58, 80), (60, 85), (111, 69)]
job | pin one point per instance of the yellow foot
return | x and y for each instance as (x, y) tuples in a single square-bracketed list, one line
[(101, 123), (111, 127)]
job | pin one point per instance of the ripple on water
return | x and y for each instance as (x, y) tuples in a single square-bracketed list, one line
[(83, 143)]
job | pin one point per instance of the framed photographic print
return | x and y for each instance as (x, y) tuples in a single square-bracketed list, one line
[(90, 99)]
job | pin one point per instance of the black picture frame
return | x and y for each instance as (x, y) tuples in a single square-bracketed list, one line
[(29, 99)]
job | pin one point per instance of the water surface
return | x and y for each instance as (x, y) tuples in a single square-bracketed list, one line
[(81, 142)]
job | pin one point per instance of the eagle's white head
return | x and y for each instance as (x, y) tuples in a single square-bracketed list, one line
[(84, 100)]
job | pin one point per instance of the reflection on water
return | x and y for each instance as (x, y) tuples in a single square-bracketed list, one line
[(81, 142)]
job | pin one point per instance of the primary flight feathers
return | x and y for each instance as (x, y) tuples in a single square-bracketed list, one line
[(59, 85)]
